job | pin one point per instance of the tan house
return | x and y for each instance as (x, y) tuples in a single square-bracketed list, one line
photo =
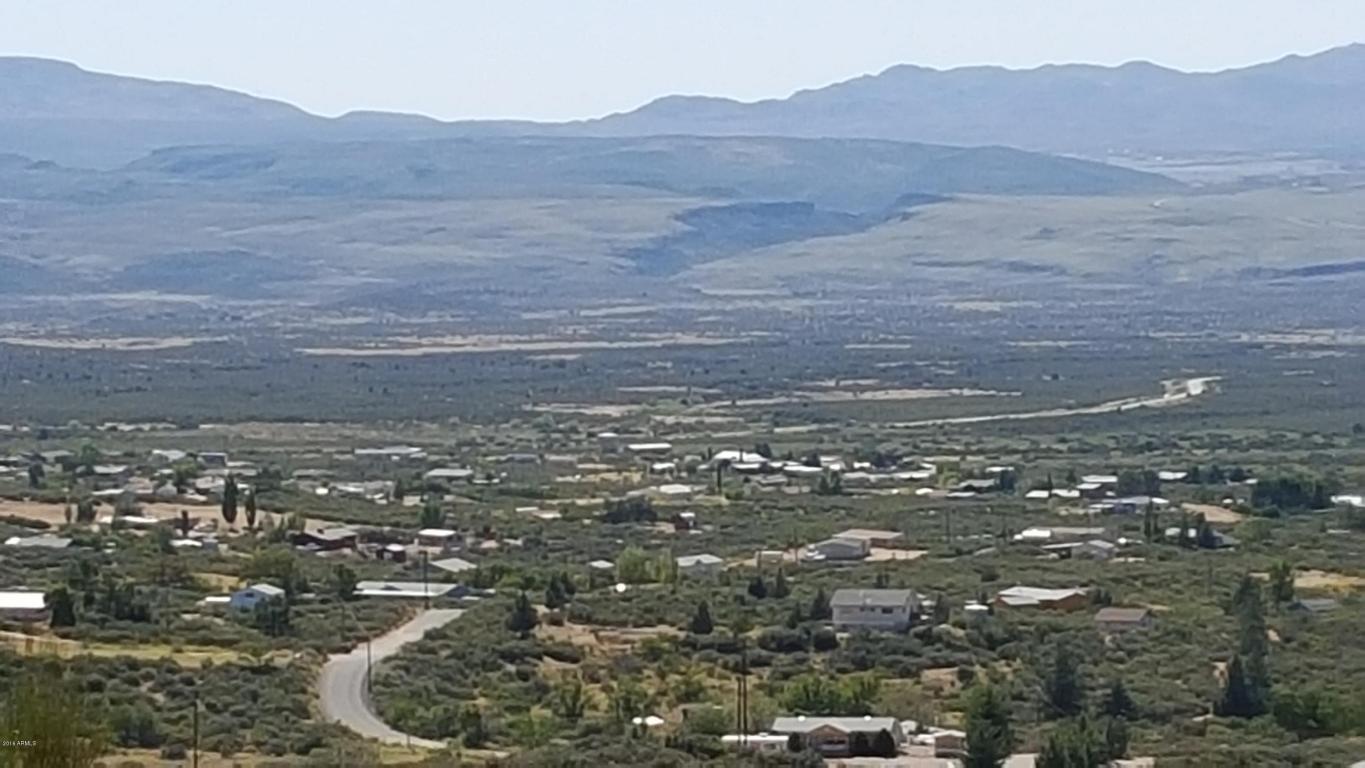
[(833, 736), (1038, 597)]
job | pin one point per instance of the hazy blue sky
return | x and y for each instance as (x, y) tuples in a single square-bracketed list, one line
[(554, 59)]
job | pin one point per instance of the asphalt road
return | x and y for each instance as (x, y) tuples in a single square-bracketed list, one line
[(341, 688)]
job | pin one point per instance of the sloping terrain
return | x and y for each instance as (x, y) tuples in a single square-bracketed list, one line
[(994, 242)]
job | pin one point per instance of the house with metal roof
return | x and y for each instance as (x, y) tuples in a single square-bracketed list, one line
[(889, 610), (836, 736), (1040, 597)]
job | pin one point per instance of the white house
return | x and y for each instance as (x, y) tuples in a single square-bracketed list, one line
[(654, 450), (404, 589), (247, 598), (41, 541), (837, 549), (1095, 549), (442, 538), (449, 473), (832, 736), (700, 565), (454, 565), (23, 606), (874, 537), (883, 609)]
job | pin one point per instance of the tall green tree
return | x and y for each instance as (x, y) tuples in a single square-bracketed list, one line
[(344, 582), (251, 509), (473, 727), (819, 606), (523, 617), (1238, 698), (1117, 701), (229, 505), (1281, 583), (1063, 683), (942, 611), (61, 608), (990, 736), (781, 589), (36, 475), (431, 514), (701, 623)]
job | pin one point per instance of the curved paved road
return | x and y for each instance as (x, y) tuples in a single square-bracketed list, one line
[(341, 688)]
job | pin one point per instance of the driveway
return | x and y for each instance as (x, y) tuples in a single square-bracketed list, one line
[(341, 689)]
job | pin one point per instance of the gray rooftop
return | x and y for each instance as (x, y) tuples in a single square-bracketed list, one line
[(806, 724), (872, 598)]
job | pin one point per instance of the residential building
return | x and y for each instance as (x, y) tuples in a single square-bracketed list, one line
[(213, 459), (246, 599), (881, 609), (767, 743), (417, 590), (873, 537), (450, 474), (327, 539), (454, 565), (977, 486), (700, 565), (832, 736), (41, 541), (110, 475), (440, 538), (1095, 549), (1314, 605), (650, 450), (837, 549), (1039, 597), (24, 606)]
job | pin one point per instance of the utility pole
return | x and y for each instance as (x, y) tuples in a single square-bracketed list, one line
[(195, 728), (369, 666), (426, 590)]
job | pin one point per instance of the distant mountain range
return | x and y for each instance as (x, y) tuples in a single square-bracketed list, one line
[(1297, 104), (56, 111)]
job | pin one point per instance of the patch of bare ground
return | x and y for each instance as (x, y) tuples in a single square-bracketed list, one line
[(187, 656), (1328, 580), (449, 345), (1216, 514), (882, 555), (105, 344), (940, 680), (54, 513), (603, 640)]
